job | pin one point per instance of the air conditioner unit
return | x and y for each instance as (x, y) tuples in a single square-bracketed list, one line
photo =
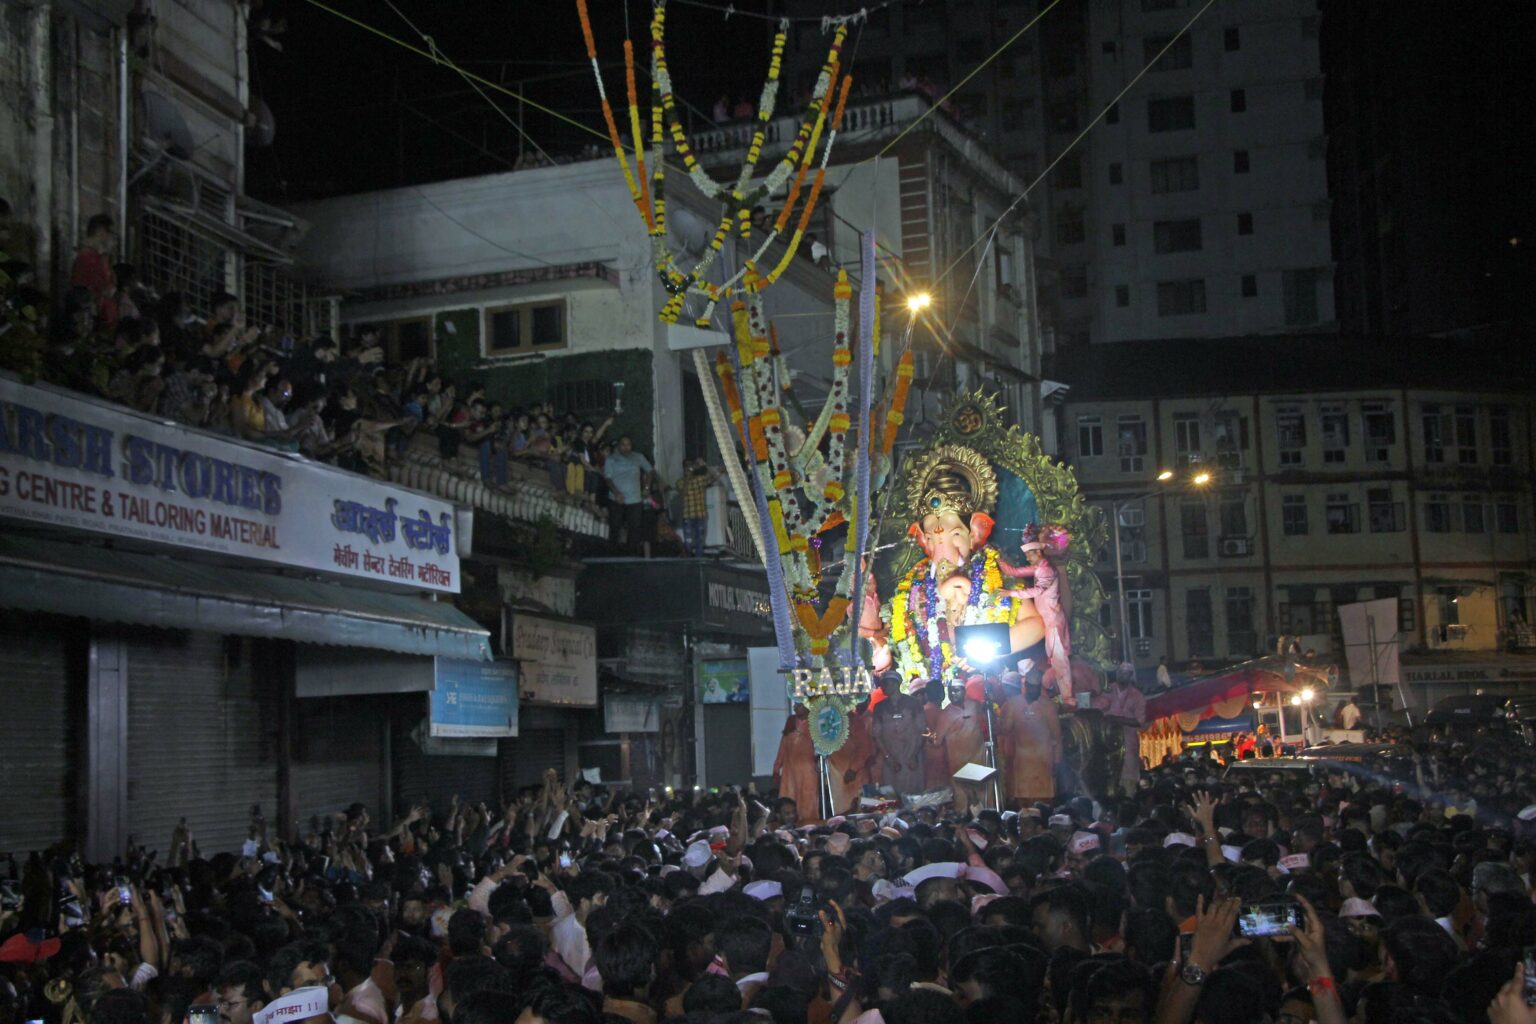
[(1234, 547), (1133, 517)]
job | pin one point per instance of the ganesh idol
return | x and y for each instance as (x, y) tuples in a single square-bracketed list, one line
[(952, 492)]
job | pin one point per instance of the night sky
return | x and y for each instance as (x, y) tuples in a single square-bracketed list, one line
[(355, 112)]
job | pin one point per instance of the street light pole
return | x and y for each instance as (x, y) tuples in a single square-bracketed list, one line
[(1125, 626), (1200, 479)]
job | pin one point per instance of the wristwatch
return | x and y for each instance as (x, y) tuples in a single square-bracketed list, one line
[(1193, 974)]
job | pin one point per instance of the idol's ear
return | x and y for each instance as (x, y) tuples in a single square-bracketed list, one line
[(981, 528)]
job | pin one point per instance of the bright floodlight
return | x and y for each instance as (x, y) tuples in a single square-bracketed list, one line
[(1296, 698), (981, 650), (983, 643), (919, 301), (1201, 479), (1165, 476), (1306, 694), (1258, 703)]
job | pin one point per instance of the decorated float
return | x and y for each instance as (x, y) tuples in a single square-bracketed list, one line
[(980, 525)]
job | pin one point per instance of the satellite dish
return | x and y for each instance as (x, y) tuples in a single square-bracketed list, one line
[(164, 124), (260, 125)]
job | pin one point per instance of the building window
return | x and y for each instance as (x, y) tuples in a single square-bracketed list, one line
[(1180, 298), (1074, 282), (1433, 421), (1069, 173), (1300, 296), (1196, 529), (1116, 173), (1464, 434), (1386, 515), (1186, 436), (530, 327), (1250, 286), (1063, 116), (1293, 515), (1341, 513), (1242, 638), (1240, 162), (1176, 235), (1122, 295), (1291, 435), (1180, 174), (1449, 599), (1437, 513), (1132, 443), (1090, 437), (1501, 436), (1117, 234), (1231, 432), (1071, 225), (1506, 513), (1239, 101), (1138, 614), (1180, 55), (1473, 517), (1017, 113), (1334, 433), (1245, 223), (1232, 39), (1380, 431), (1232, 515), (1171, 114), (1304, 611), (1197, 623)]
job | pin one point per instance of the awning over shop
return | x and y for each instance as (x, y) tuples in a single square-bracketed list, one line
[(153, 590), (1205, 697), (714, 598)]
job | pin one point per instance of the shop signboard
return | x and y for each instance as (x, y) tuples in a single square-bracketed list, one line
[(631, 714), (473, 699), (73, 462), (724, 682), (558, 660)]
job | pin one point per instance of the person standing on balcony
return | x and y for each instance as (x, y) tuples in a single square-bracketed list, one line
[(629, 475), (93, 269), (697, 479)]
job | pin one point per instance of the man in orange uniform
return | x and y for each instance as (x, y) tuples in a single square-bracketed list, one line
[(795, 769), (963, 739), (1030, 735), (851, 767)]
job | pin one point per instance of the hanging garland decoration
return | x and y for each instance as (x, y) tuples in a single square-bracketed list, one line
[(737, 199)]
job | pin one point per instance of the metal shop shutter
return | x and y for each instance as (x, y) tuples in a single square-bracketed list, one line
[(338, 758), (37, 798), (437, 778), (524, 759), (202, 740)]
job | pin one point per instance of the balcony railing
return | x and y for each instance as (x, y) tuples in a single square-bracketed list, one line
[(525, 498)]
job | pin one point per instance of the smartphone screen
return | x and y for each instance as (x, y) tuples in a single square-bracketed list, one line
[(202, 1015), (1186, 943), (565, 861), (124, 893), (1259, 920), (1529, 989)]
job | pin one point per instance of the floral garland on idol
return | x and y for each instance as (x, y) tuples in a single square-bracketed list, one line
[(927, 651), (736, 198), (805, 497)]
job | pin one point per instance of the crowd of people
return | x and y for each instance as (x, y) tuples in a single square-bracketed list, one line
[(342, 402), (1274, 896)]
